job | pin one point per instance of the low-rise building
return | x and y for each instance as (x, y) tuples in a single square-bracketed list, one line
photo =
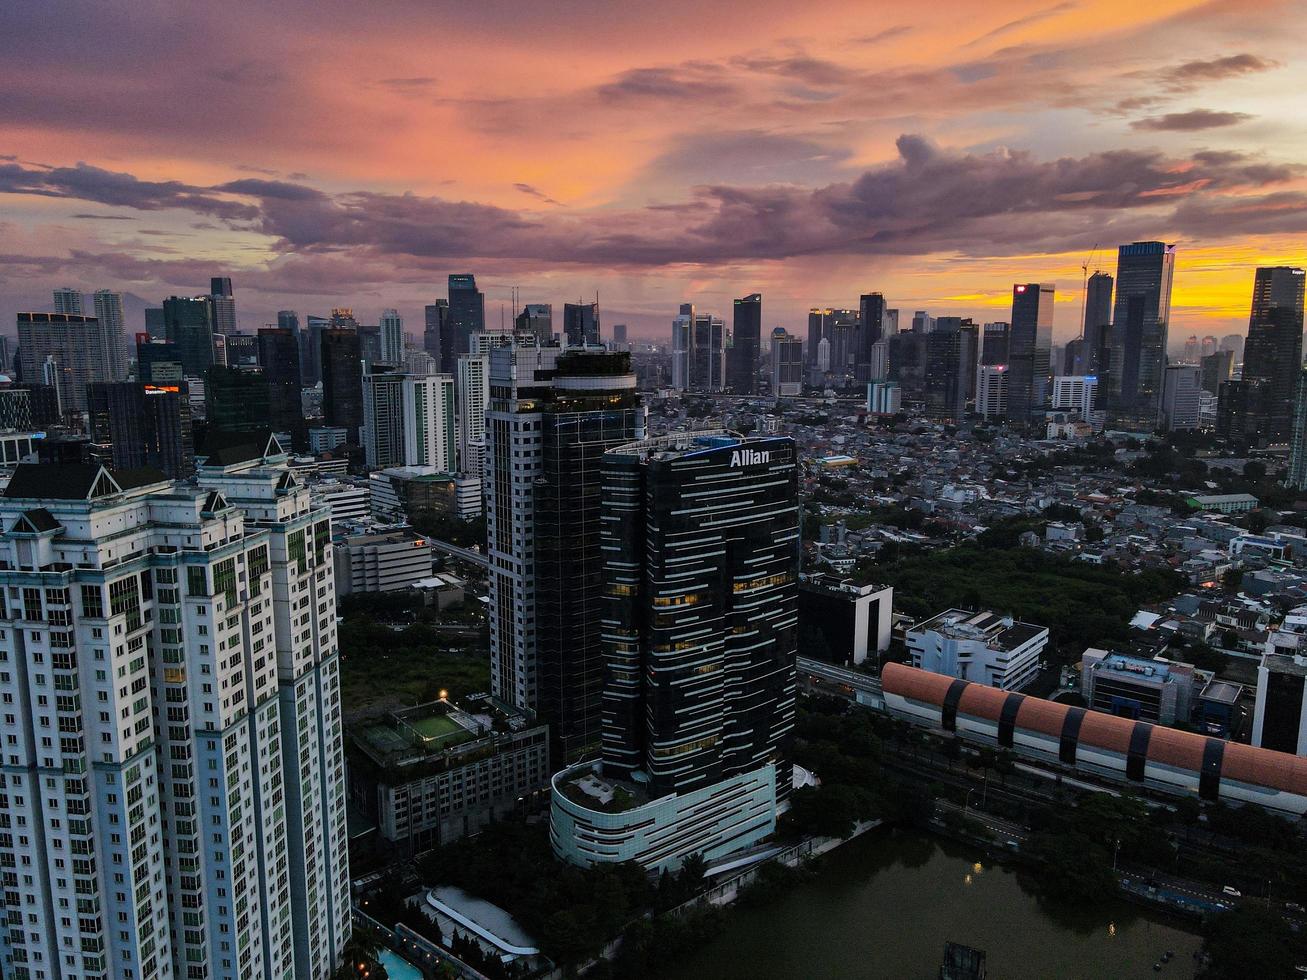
[(851, 620), (346, 501), (385, 560), (1225, 503), (1280, 713), (978, 646), (1134, 687), (437, 772)]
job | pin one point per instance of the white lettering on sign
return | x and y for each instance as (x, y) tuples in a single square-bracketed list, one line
[(749, 457)]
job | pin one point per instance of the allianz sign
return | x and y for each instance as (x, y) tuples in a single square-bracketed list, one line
[(749, 457)]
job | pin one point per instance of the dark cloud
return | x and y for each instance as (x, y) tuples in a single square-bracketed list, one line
[(539, 195), (102, 217), (1190, 74), (86, 183), (926, 201), (809, 70), (887, 34), (1191, 121), (408, 85), (1020, 22), (681, 83)]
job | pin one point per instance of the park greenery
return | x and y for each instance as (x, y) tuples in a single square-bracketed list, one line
[(387, 665)]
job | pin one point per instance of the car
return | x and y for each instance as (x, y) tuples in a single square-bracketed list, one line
[(1231, 891)]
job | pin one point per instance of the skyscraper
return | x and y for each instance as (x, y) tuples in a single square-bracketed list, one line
[(871, 329), (1140, 316), (155, 324), (109, 311), (1272, 361), (68, 300), (1217, 368), (279, 353), (786, 364), (218, 805), (537, 321), (224, 305), (383, 419), (1277, 286), (950, 367), (1296, 476), (698, 351), (236, 400), (553, 413), (1030, 339), (619, 336), (148, 425), (1181, 389), (435, 316), (467, 315), (746, 339), (157, 362), (66, 350), (392, 337), (189, 324), (994, 342), (473, 399), (1096, 331), (580, 324), (311, 349), (700, 545), (342, 381)]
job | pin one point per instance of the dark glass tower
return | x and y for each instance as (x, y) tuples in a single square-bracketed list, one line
[(342, 381), (1277, 286), (188, 323), (1139, 324), (235, 400), (148, 425), (590, 407), (536, 321), (279, 353), (871, 319), (1097, 335), (467, 315), (1272, 361), (950, 367), (580, 324), (700, 540), (1030, 341), (746, 338), (434, 328)]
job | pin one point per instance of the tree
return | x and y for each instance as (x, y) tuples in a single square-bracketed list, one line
[(1251, 941)]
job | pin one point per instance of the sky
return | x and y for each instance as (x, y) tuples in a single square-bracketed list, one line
[(331, 153)]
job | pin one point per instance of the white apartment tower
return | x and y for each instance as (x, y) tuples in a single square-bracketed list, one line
[(392, 337), (473, 400), (109, 311), (167, 654), (408, 420)]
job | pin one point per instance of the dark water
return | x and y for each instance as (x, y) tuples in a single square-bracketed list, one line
[(883, 906)]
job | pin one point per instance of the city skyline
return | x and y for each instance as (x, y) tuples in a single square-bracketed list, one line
[(808, 155)]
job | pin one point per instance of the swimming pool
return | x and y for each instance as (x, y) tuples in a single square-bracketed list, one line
[(398, 967)]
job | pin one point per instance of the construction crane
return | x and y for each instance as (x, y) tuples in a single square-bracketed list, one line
[(1084, 286)]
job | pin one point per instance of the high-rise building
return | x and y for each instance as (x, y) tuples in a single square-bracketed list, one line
[(429, 421), (189, 324), (68, 300), (580, 324), (619, 337), (224, 305), (1277, 286), (746, 339), (786, 364), (1075, 393), (1181, 395), (950, 367), (157, 361), (1296, 477), (155, 323), (994, 342), (1217, 367), (698, 351), (148, 425), (553, 412), (473, 399), (342, 381), (435, 317), (392, 337), (991, 391), (1272, 360), (65, 350), (700, 544), (1140, 317), (1029, 348), (219, 806), (871, 328), (236, 400), (884, 398), (109, 311), (279, 353), (1233, 342), (1190, 353), (242, 350), (383, 419), (536, 321), (311, 350), (842, 329), (467, 315), (1097, 326)]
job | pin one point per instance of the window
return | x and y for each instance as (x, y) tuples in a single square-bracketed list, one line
[(197, 582)]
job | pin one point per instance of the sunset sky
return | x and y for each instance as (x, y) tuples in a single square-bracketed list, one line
[(338, 153)]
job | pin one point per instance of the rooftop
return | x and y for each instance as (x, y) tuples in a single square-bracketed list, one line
[(998, 632)]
